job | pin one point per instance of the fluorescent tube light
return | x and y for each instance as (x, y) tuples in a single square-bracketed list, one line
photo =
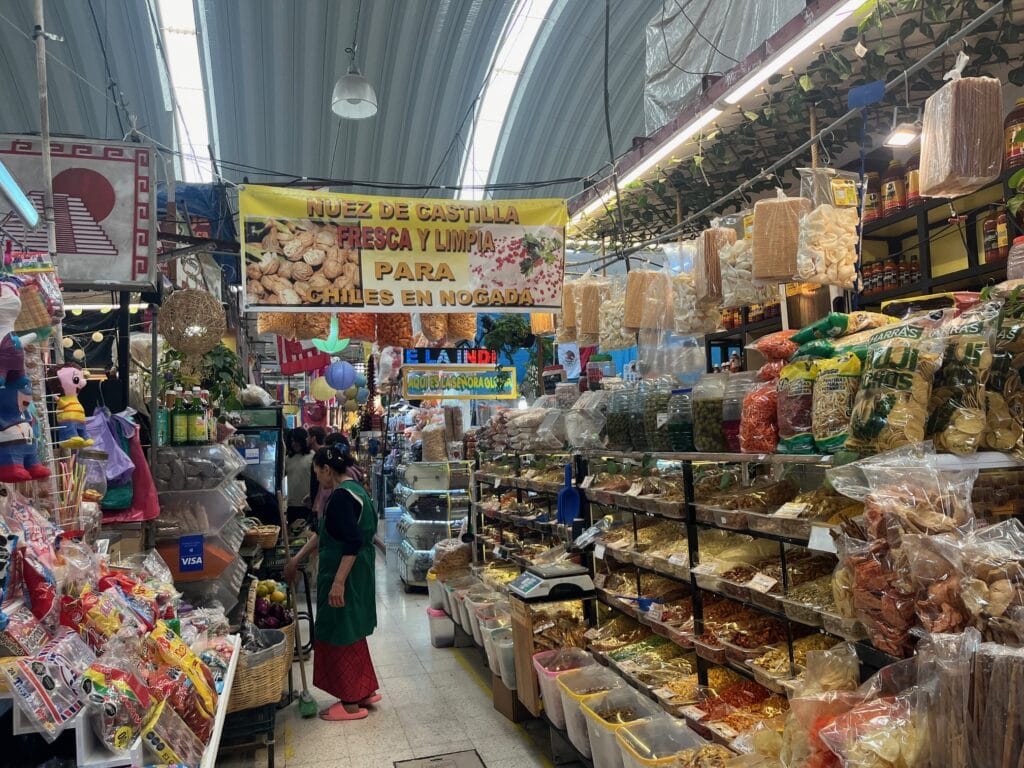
[(17, 198), (776, 63)]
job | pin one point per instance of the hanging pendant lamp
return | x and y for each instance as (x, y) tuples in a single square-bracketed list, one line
[(353, 97)]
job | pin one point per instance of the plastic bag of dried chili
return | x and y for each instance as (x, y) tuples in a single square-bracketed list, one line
[(758, 430)]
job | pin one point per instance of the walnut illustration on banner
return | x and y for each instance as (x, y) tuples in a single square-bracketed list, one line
[(434, 326), (394, 329), (461, 326)]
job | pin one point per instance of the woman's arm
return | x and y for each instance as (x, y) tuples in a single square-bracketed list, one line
[(336, 599), (293, 564)]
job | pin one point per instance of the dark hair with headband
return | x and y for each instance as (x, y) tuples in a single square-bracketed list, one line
[(333, 457)]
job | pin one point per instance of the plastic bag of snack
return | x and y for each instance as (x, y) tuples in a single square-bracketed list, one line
[(461, 326), (648, 300), (758, 426), (8, 546), (612, 314), (957, 422), (119, 702), (691, 316), (837, 324), (835, 390), (37, 534), (40, 589), (776, 346), (822, 348), (885, 732), (47, 686), (169, 738), (891, 408), (770, 371), (182, 678), (738, 286), (21, 633), (433, 326), (776, 237), (796, 407), (961, 135), (707, 268), (394, 329), (589, 293), (567, 319), (827, 250)]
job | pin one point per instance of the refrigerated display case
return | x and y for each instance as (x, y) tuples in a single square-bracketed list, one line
[(260, 442)]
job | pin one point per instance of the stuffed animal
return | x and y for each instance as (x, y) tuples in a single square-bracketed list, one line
[(70, 413)]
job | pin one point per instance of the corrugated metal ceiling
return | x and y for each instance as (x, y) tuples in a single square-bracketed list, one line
[(273, 65)]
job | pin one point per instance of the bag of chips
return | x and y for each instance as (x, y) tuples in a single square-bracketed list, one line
[(119, 701), (614, 334), (47, 686), (795, 407), (891, 408), (957, 422), (837, 324), (827, 250), (776, 346), (182, 679), (835, 390)]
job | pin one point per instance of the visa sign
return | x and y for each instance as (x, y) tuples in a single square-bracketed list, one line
[(190, 554)]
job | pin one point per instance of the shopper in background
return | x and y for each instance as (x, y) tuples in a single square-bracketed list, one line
[(297, 466), (346, 601), (338, 439), (317, 436)]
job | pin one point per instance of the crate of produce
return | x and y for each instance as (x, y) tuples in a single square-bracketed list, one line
[(550, 665), (606, 713), (575, 689), (710, 648), (505, 651), (803, 613)]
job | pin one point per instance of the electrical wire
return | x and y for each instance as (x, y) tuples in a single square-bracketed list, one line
[(703, 37), (668, 53), (106, 66)]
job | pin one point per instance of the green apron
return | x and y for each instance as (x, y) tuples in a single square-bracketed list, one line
[(344, 626)]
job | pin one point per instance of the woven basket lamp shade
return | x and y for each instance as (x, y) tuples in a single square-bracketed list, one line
[(192, 321)]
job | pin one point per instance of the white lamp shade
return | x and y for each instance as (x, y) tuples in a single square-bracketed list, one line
[(354, 97)]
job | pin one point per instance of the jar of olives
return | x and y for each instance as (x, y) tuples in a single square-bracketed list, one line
[(636, 412), (680, 420), (656, 415), (619, 420), (708, 396)]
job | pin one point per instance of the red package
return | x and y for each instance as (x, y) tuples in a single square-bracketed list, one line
[(758, 427), (776, 346), (40, 587), (170, 684), (770, 370)]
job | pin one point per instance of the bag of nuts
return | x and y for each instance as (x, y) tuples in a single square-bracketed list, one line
[(394, 329)]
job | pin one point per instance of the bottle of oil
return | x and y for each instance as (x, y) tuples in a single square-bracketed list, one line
[(179, 418), (197, 432)]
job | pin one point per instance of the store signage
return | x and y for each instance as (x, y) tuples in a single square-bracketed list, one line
[(458, 382), (307, 250), (449, 356), (190, 553), (104, 199)]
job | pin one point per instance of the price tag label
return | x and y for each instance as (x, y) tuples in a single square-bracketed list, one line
[(599, 551), (762, 582), (791, 510), (102, 547), (592, 634), (693, 712), (497, 482), (844, 192), (681, 560), (587, 482), (599, 580), (723, 730), (748, 227), (821, 539), (635, 488), (661, 419), (655, 612), (705, 569), (541, 627), (663, 693)]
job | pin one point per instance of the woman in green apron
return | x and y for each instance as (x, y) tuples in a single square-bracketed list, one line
[(346, 601)]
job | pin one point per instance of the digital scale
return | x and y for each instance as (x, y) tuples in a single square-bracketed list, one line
[(558, 581)]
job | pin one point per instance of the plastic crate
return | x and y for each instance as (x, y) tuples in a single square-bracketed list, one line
[(243, 725)]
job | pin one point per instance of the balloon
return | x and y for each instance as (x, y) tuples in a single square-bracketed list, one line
[(351, 405), (362, 396), (360, 380), (351, 392), (320, 389), (340, 375)]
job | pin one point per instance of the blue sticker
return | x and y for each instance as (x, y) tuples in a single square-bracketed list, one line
[(190, 553)]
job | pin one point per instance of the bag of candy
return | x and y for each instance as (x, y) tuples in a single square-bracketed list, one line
[(170, 739), (119, 703)]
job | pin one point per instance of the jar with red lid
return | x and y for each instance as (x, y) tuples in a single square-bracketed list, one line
[(1015, 260), (894, 190), (873, 198), (1013, 130)]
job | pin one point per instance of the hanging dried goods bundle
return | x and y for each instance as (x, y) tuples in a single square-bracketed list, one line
[(461, 326), (707, 269), (648, 300), (589, 293), (827, 252), (434, 326), (689, 315), (962, 137), (776, 237), (738, 286), (394, 329)]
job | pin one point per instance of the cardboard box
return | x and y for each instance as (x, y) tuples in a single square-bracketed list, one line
[(527, 688), (505, 700)]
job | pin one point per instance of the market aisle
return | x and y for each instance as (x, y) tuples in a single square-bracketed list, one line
[(436, 701)]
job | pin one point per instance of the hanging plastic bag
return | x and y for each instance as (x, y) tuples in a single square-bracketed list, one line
[(891, 408), (827, 250), (962, 135), (612, 319), (648, 300), (738, 286), (707, 271), (589, 293), (777, 236)]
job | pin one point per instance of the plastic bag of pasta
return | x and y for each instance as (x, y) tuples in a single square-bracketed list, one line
[(957, 423), (707, 268), (589, 293), (891, 409), (795, 407), (613, 333), (648, 300), (835, 390)]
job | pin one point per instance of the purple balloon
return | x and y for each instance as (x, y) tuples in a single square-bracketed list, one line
[(340, 375)]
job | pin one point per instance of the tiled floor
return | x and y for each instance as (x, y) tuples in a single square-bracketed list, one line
[(435, 701)]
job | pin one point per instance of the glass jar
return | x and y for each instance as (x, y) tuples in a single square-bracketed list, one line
[(636, 414), (1015, 261), (707, 413), (1013, 129), (912, 181), (619, 420), (894, 189), (656, 415), (873, 198), (680, 420), (95, 482), (736, 389)]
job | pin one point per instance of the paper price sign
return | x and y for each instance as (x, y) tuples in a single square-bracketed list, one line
[(599, 580), (705, 569), (587, 482), (791, 510), (599, 551), (762, 582), (821, 539), (655, 611), (635, 489), (592, 634)]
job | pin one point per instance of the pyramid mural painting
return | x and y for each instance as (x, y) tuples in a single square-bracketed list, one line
[(78, 233)]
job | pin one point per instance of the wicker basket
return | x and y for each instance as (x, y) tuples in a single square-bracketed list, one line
[(261, 676), (264, 536)]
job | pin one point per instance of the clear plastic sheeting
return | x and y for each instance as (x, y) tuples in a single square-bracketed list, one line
[(678, 54)]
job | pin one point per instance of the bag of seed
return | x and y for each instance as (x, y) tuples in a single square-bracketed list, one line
[(957, 418), (891, 408), (835, 390), (795, 407)]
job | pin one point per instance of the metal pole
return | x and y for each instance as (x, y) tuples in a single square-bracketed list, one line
[(39, 35), (154, 384)]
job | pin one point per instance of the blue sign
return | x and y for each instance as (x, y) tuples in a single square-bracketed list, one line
[(190, 553)]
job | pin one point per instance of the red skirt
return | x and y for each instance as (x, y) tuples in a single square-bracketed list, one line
[(344, 671)]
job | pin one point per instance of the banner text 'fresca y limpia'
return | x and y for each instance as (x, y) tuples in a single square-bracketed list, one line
[(306, 251)]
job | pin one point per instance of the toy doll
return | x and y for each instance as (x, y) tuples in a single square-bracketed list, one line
[(70, 413)]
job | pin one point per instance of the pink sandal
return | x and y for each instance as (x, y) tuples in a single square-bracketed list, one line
[(337, 713), (373, 698)]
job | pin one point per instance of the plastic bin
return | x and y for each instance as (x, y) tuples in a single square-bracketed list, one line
[(435, 591), (579, 686), (478, 597), (567, 661), (604, 748), (442, 628), (655, 742), (487, 629), (505, 650)]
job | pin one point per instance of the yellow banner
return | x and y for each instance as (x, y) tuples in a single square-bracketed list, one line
[(306, 250)]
